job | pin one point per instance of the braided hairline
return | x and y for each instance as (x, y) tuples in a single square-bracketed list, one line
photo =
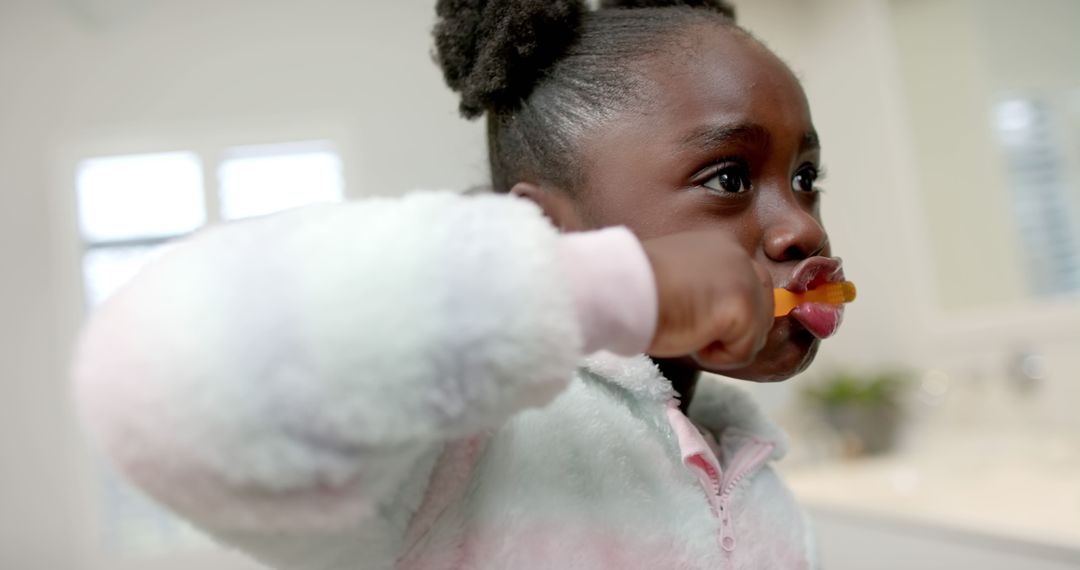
[(538, 139), (548, 71), (721, 6)]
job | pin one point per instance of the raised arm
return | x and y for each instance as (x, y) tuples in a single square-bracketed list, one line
[(288, 382)]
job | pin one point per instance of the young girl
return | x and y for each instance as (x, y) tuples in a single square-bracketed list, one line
[(404, 383)]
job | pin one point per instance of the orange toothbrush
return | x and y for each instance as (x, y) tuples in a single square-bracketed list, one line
[(829, 293)]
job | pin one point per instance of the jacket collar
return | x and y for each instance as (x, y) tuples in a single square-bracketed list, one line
[(635, 374), (718, 404)]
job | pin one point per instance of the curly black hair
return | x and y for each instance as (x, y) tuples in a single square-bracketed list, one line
[(545, 71)]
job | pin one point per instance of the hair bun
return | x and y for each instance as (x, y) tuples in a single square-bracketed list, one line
[(493, 52), (721, 6)]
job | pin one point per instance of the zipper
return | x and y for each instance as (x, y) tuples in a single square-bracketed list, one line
[(749, 457), (746, 461), (719, 487), (709, 479)]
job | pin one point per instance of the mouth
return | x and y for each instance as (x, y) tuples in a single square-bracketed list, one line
[(814, 272), (821, 319)]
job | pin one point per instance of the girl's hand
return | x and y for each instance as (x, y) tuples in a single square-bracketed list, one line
[(715, 302)]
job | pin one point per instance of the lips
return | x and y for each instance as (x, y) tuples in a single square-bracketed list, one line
[(822, 320), (813, 272)]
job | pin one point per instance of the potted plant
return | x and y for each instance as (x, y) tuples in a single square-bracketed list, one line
[(865, 410)]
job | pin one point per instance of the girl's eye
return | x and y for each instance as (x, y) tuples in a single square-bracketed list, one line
[(805, 179), (729, 179)]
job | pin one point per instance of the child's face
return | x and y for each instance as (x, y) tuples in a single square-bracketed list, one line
[(724, 142)]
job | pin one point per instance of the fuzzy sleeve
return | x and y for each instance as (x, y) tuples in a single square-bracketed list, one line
[(299, 374)]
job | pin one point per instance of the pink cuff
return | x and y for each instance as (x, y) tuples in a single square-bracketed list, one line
[(614, 289)]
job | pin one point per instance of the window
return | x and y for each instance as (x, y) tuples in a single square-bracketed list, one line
[(1040, 185), (130, 207), (260, 180), (144, 196)]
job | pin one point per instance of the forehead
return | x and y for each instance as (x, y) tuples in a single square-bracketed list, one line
[(715, 75)]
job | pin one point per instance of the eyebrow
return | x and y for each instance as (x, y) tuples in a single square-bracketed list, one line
[(750, 134)]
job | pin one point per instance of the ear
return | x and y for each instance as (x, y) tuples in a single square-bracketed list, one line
[(557, 205)]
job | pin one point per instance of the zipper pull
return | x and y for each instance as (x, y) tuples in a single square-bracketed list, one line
[(727, 531)]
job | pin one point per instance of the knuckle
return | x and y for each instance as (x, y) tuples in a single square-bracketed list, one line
[(745, 289), (733, 319), (743, 353)]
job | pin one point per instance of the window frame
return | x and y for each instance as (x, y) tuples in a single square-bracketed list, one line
[(211, 155)]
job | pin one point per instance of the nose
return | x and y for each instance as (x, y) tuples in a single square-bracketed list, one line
[(794, 234)]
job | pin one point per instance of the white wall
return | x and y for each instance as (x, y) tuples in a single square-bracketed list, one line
[(963, 183), (1049, 56)]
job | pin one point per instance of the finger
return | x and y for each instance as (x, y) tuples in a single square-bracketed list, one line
[(721, 356), (734, 338)]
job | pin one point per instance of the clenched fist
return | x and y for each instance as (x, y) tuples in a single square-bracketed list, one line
[(715, 302)]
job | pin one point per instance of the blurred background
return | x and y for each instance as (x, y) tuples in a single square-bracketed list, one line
[(939, 429)]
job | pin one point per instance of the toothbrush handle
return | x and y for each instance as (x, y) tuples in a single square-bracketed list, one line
[(784, 302)]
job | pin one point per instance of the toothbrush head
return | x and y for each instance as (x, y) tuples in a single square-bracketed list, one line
[(837, 293)]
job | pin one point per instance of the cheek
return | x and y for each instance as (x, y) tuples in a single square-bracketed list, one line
[(694, 211), (790, 349), (608, 205), (652, 211), (816, 212)]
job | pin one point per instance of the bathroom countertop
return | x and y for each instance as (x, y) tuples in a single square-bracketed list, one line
[(1019, 489)]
